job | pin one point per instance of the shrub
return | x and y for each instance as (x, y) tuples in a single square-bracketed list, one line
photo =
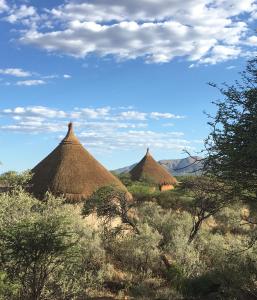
[(8, 289), (125, 179), (229, 271), (143, 192), (175, 199), (229, 220), (139, 253), (13, 179), (174, 228), (152, 261), (46, 248)]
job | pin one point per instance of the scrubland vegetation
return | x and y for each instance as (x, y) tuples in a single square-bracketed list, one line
[(50, 251), (195, 242)]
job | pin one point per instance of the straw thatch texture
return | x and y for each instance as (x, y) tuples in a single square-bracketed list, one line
[(148, 168), (70, 170)]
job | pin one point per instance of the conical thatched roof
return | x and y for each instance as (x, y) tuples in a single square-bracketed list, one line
[(149, 169), (70, 170)]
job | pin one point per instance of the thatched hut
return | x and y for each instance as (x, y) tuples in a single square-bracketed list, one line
[(70, 170), (148, 169)]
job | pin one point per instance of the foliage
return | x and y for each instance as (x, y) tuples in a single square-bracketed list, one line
[(13, 179), (109, 203), (7, 288), (142, 192), (150, 262), (125, 179), (230, 220), (44, 248), (209, 197), (175, 199), (174, 228), (230, 271), (33, 249), (139, 252), (231, 145)]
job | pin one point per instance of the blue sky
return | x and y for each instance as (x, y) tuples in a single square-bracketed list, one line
[(129, 74)]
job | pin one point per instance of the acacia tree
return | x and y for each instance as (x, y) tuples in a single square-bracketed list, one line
[(232, 144), (109, 203), (209, 196), (31, 250), (36, 239)]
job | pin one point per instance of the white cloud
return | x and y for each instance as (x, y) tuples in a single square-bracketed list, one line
[(168, 124), (155, 42), (17, 72), (106, 115), (38, 79), (134, 139), (230, 67), (111, 125), (31, 82), (202, 31), (100, 128), (222, 53), (91, 113), (32, 112), (158, 115), (3, 6), (150, 10), (53, 76), (252, 41), (132, 115), (33, 127), (22, 13)]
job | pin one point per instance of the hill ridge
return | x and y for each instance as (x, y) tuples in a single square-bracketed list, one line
[(177, 167)]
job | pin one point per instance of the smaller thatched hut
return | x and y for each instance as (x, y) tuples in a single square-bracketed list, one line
[(149, 169), (70, 170)]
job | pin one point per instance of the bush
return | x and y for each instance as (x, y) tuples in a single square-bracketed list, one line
[(125, 179), (175, 199), (229, 220), (138, 253), (143, 192), (152, 261), (47, 249), (174, 228), (8, 290), (13, 179), (229, 271)]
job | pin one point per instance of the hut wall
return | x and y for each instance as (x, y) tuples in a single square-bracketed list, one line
[(166, 187)]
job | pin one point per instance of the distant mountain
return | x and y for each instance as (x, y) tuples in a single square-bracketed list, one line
[(177, 167)]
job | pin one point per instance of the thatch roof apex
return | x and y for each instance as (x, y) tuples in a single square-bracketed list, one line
[(70, 137)]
